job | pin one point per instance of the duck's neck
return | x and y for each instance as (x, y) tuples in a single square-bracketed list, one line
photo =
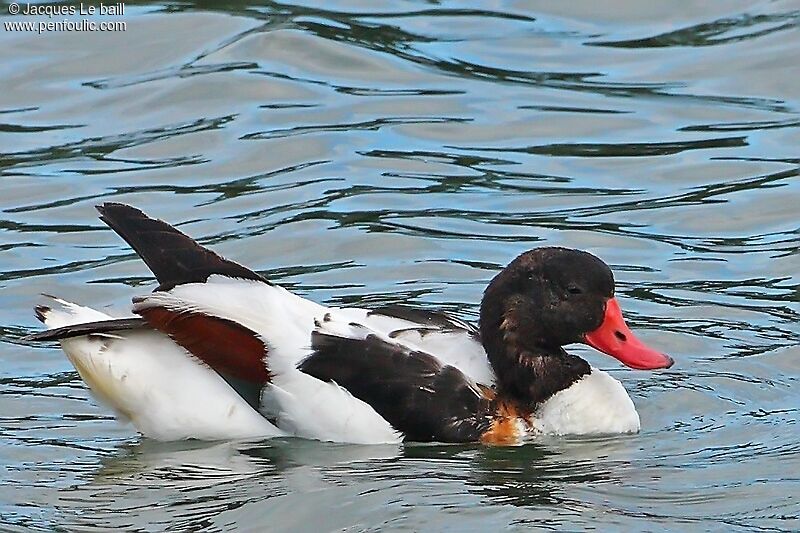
[(529, 370)]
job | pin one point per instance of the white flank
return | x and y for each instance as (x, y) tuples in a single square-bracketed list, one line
[(313, 409), (595, 404), (300, 404), (163, 390)]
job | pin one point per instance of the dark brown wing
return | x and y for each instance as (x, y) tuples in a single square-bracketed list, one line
[(233, 351), (418, 395), (226, 346)]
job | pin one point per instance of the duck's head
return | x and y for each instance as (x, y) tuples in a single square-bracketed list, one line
[(549, 297)]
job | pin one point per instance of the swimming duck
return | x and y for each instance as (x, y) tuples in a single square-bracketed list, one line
[(218, 352)]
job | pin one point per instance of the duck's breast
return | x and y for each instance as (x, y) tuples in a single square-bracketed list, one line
[(595, 404)]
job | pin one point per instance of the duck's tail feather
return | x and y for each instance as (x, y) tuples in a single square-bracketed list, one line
[(172, 256), (147, 378), (70, 320), (103, 327)]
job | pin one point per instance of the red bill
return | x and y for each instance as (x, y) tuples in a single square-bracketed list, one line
[(615, 338)]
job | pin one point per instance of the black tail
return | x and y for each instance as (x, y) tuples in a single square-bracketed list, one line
[(172, 256), (87, 328)]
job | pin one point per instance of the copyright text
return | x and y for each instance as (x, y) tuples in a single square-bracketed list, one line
[(61, 10)]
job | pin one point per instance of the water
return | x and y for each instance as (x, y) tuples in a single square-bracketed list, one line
[(374, 152)]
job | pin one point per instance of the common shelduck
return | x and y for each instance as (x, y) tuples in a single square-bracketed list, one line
[(219, 352)]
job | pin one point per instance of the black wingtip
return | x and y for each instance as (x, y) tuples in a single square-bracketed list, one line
[(87, 328), (41, 312)]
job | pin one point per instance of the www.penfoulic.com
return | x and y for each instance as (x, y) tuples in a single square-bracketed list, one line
[(52, 11), (44, 26)]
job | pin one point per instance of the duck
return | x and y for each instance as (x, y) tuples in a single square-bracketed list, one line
[(216, 351)]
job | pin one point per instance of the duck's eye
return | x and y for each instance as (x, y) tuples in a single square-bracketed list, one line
[(574, 289)]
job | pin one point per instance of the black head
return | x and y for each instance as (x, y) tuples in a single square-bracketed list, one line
[(552, 296), (544, 299)]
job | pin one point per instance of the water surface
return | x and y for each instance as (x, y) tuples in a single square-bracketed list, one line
[(403, 152)]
